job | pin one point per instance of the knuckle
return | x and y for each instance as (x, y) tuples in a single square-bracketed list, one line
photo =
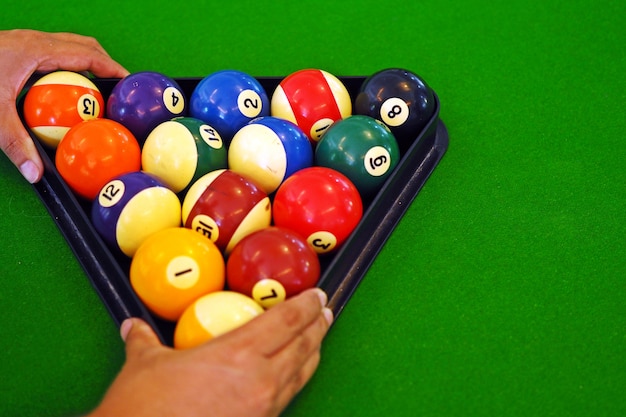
[(264, 398), (301, 310), (91, 41), (12, 148), (263, 389), (305, 345), (292, 316), (239, 358)]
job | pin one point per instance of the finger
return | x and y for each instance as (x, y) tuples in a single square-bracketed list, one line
[(74, 52), (298, 381), (273, 329), (18, 146), (138, 336), (82, 60), (79, 39), (291, 358)]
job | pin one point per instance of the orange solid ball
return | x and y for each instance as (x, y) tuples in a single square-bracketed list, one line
[(93, 152), (174, 267)]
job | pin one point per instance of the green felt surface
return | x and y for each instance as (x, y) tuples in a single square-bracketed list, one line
[(502, 290)]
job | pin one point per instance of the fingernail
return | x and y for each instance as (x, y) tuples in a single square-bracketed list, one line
[(323, 297), (125, 328), (328, 315), (29, 171)]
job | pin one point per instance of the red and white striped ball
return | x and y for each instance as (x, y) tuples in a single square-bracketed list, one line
[(313, 99), (226, 207)]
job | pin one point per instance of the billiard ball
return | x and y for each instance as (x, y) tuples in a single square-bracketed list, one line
[(181, 150), (227, 100), (269, 149), (400, 99), (361, 148), (271, 265), (142, 100), (225, 207), (319, 203), (212, 315), (93, 152), (131, 207), (313, 99), (172, 268), (58, 101)]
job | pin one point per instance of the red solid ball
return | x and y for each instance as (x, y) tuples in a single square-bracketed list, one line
[(321, 204), (271, 265)]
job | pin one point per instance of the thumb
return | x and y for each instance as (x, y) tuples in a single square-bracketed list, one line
[(19, 147), (138, 336)]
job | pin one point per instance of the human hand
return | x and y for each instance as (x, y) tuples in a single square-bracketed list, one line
[(24, 52), (254, 370)]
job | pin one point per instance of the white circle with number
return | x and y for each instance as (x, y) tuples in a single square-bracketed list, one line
[(207, 226), (249, 103), (322, 241), (88, 107), (394, 111), (211, 137), (377, 161), (174, 100), (268, 292), (319, 128), (111, 193), (182, 272)]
